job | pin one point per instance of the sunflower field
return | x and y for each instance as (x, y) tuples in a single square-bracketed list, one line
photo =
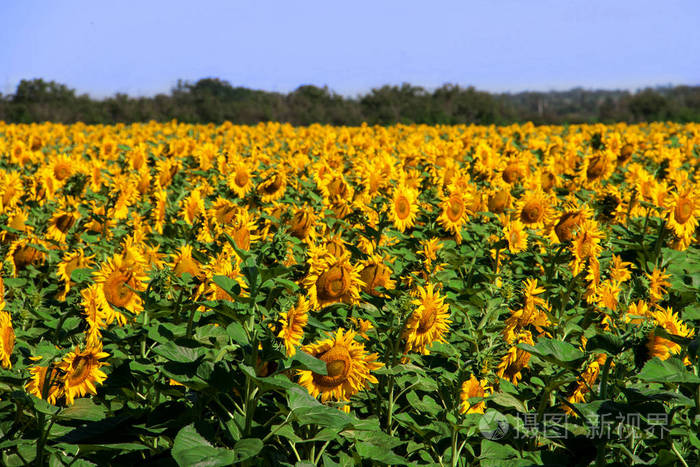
[(207, 295)]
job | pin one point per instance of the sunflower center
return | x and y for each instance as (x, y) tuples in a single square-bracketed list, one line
[(455, 209), (333, 283), (596, 167), (26, 255), (512, 174), (65, 222), (116, 289), (427, 319), (80, 369), (683, 210), (497, 202), (61, 172), (241, 178), (338, 363), (403, 207), (565, 226), (532, 212)]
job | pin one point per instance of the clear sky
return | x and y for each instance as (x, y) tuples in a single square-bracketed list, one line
[(143, 47)]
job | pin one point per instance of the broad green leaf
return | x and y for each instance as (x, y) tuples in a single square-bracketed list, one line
[(667, 371), (191, 449), (83, 409)]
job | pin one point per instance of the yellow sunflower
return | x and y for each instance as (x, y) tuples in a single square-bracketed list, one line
[(95, 314), (70, 262), (516, 236), (683, 212), (404, 207), (239, 180), (17, 219), (37, 383), (292, 323), (473, 388), (7, 338), (375, 273), (428, 323), (332, 280), (348, 366), (22, 254), (662, 347), (119, 281), (454, 214), (301, 225), (272, 186), (183, 262), (534, 209), (515, 360), (82, 371)]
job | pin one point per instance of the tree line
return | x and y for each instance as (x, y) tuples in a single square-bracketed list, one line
[(215, 100)]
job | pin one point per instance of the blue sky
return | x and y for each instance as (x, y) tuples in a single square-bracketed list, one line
[(143, 47)]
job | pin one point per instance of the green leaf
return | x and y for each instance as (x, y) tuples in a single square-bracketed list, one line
[(613, 345), (247, 448), (557, 352), (507, 400), (667, 371), (81, 275), (191, 449), (229, 285), (178, 353), (83, 409), (309, 362)]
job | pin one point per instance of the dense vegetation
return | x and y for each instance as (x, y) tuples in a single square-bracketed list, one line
[(407, 295), (213, 100)]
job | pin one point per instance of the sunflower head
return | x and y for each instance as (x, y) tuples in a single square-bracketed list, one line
[(332, 280), (428, 323), (404, 207), (82, 371)]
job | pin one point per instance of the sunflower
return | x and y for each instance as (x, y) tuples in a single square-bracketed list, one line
[(375, 273), (94, 312), (17, 219), (11, 190), (60, 223), (348, 368), (473, 388), (332, 280), (82, 371), (223, 265), (22, 253), (662, 347), (292, 323), (585, 383), (683, 213), (515, 360), (658, 282), (192, 207), (239, 180), (428, 323), (272, 186), (515, 234), (499, 200), (566, 225), (362, 326), (119, 281), (430, 250), (586, 245), (534, 209), (38, 381), (242, 230), (454, 214), (635, 311), (70, 262), (62, 168), (183, 262), (301, 225), (404, 208), (7, 337)]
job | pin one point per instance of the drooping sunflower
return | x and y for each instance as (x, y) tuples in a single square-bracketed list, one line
[(60, 223), (474, 388), (332, 280), (515, 359), (119, 281), (192, 207), (272, 186), (348, 365), (183, 262), (586, 245), (660, 346), (95, 314), (404, 207), (71, 261), (301, 225), (7, 338), (428, 323), (534, 209), (38, 382), (22, 253), (242, 230), (454, 214), (292, 323), (82, 371), (375, 273)]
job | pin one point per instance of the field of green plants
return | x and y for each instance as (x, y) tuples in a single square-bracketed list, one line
[(205, 295)]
